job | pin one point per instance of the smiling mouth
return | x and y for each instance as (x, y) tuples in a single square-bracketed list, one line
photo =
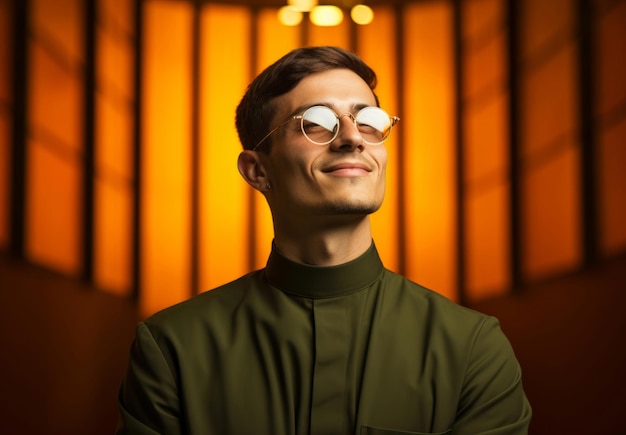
[(348, 169), (348, 172)]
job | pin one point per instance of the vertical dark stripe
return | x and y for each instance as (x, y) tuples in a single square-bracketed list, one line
[(457, 29), (195, 149), (19, 127), (253, 197), (137, 155), (304, 31), (353, 34), (513, 67), (586, 16), (402, 192), (89, 139)]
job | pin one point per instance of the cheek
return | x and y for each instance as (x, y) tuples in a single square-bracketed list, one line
[(290, 168), (381, 159)]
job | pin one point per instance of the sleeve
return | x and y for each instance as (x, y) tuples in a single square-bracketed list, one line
[(148, 398), (493, 400)]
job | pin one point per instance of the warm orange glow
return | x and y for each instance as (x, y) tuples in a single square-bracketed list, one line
[(487, 243), (486, 144), (4, 178), (612, 181), (224, 215), (114, 63), (6, 41), (542, 22), (274, 41), (113, 197), (289, 16), (166, 155), (487, 225), (114, 153), (61, 21), (119, 13), (55, 119), (326, 15), (611, 64), (550, 104), (114, 131), (5, 118), (481, 15), (374, 45), (55, 109), (484, 68), (338, 36), (53, 219), (611, 94), (113, 236), (550, 198), (302, 5), (551, 217), (429, 154)]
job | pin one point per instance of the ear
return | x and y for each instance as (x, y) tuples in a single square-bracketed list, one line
[(252, 170)]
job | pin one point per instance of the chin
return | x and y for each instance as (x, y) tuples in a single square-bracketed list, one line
[(354, 208)]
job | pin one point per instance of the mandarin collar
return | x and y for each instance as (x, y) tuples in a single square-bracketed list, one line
[(322, 281)]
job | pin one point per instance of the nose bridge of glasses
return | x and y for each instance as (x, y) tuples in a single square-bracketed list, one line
[(341, 115)]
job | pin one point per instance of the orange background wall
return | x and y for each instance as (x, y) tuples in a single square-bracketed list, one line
[(119, 193)]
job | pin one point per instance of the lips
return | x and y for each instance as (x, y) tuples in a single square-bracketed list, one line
[(347, 167)]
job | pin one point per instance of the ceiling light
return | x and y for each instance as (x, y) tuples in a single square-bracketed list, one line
[(362, 14), (326, 15), (289, 16), (302, 5)]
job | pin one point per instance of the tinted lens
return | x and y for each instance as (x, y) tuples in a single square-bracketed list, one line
[(319, 124), (374, 124)]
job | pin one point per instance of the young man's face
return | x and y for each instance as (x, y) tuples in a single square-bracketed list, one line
[(344, 177)]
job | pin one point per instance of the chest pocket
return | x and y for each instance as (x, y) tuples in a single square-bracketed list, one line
[(365, 430)]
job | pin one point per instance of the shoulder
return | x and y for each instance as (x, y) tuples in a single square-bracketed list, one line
[(418, 307), (425, 299), (209, 306)]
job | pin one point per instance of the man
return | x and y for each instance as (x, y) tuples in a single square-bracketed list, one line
[(324, 340)]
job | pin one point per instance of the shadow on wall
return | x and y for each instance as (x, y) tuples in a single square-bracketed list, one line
[(64, 352), (569, 337)]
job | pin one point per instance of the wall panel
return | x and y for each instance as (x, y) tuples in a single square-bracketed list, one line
[(54, 149), (166, 152), (551, 202), (551, 190), (546, 25), (610, 86), (487, 223), (118, 14), (487, 243), (53, 211), (6, 31), (481, 18), (612, 181), (224, 219), (338, 36), (429, 161), (113, 146), (59, 25)]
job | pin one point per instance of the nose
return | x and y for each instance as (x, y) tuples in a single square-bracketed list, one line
[(348, 137)]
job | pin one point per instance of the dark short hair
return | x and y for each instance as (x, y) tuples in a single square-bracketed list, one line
[(256, 109)]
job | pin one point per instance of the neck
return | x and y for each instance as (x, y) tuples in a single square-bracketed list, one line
[(324, 243)]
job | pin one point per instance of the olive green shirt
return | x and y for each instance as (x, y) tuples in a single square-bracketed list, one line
[(299, 349)]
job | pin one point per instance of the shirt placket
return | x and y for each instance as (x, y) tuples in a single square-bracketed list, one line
[(329, 374)]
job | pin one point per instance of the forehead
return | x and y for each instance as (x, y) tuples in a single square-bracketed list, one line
[(340, 89)]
